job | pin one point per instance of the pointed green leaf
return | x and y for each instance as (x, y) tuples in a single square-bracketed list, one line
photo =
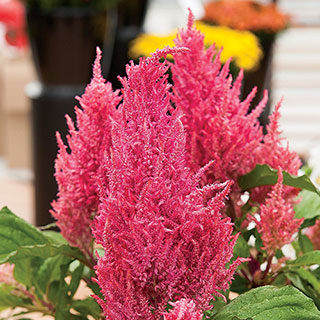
[(264, 175), (305, 243), (87, 307), (54, 237), (272, 303), (309, 206), (307, 259), (44, 251), (75, 279), (15, 232), (50, 271)]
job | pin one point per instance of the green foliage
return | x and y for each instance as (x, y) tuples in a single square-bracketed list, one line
[(47, 269), (264, 175), (268, 302), (309, 206)]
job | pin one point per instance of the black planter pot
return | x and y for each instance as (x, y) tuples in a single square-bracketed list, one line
[(63, 43), (261, 78), (49, 106), (64, 40), (131, 14)]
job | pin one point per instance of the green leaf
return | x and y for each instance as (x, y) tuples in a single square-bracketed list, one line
[(303, 284), (309, 206), (241, 248), (54, 237), (264, 175), (25, 270), (239, 284), (87, 307), (286, 303), (75, 280), (62, 302), (15, 232), (307, 259), (50, 271), (308, 276), (308, 223), (44, 251), (305, 243)]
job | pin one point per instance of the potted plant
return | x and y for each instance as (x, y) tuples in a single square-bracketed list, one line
[(242, 46)]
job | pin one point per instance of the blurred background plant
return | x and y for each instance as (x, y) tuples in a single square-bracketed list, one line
[(265, 20), (246, 15), (242, 46), (12, 27)]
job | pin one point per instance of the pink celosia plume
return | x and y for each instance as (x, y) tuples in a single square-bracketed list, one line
[(163, 239), (276, 224), (217, 123), (183, 310), (77, 170), (277, 155)]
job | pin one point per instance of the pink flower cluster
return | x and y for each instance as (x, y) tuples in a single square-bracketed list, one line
[(77, 170), (219, 126), (163, 239), (277, 224), (217, 123)]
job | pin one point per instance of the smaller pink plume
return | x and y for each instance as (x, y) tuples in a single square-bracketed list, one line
[(183, 310), (276, 154), (277, 224), (77, 170)]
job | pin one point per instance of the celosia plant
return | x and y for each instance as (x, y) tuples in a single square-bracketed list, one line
[(276, 222), (159, 173), (242, 46), (160, 240)]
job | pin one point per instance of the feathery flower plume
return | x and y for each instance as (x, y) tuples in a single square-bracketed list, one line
[(163, 239), (77, 171), (277, 224), (273, 153), (217, 123), (183, 310)]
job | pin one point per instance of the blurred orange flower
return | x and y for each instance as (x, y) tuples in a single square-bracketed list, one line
[(246, 15)]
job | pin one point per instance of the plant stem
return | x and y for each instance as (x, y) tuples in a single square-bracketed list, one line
[(268, 266)]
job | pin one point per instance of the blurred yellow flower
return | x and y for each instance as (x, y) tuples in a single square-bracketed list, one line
[(242, 46)]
